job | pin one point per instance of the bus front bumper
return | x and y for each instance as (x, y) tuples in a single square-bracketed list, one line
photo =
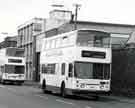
[(76, 91), (9, 80)]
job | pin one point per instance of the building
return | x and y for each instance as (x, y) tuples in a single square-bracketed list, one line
[(9, 42), (26, 40)]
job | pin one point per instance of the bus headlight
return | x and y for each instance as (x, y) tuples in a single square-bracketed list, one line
[(106, 86), (107, 83), (77, 85), (82, 85), (77, 81), (101, 86)]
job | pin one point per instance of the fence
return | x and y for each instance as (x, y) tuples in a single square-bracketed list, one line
[(123, 71)]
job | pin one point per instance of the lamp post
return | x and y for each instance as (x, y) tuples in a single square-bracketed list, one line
[(77, 6)]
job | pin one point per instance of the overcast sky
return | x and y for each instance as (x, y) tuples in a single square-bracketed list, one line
[(15, 12)]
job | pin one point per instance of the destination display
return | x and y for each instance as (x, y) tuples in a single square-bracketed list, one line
[(93, 54), (14, 60)]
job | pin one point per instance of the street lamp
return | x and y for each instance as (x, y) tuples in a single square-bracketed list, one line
[(77, 6)]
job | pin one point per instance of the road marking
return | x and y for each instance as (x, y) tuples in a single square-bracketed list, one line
[(1, 86), (65, 102), (11, 89), (43, 97), (14, 90), (88, 107)]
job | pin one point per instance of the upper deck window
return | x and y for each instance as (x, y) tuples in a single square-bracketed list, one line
[(93, 38), (58, 42), (65, 41), (53, 44), (47, 44)]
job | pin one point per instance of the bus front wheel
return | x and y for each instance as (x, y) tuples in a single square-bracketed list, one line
[(3, 82)]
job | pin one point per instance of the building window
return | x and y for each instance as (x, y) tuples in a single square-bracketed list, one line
[(37, 27)]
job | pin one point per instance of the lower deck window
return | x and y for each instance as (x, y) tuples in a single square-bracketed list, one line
[(48, 68)]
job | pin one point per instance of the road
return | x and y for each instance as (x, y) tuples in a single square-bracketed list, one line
[(13, 96)]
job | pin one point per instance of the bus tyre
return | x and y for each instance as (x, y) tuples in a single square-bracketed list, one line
[(63, 90), (3, 82), (44, 86)]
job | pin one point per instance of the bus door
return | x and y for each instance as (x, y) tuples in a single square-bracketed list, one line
[(69, 76), (61, 73)]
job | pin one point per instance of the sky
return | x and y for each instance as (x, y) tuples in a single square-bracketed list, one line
[(15, 12)]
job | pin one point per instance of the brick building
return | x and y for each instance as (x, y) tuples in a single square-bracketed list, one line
[(26, 39)]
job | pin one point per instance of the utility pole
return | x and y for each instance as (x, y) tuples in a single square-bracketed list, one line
[(77, 6)]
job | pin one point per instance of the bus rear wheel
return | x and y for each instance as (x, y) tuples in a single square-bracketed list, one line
[(3, 82), (63, 90), (44, 86)]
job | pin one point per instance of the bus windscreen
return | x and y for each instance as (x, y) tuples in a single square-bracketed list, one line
[(86, 70), (14, 69)]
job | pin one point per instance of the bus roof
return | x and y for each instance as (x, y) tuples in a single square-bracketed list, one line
[(75, 31)]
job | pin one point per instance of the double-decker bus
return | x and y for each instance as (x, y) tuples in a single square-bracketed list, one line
[(12, 65), (77, 62)]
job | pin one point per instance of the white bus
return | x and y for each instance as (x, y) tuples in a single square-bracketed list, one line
[(12, 65), (77, 62)]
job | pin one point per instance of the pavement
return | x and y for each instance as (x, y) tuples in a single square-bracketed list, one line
[(122, 99), (32, 83)]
